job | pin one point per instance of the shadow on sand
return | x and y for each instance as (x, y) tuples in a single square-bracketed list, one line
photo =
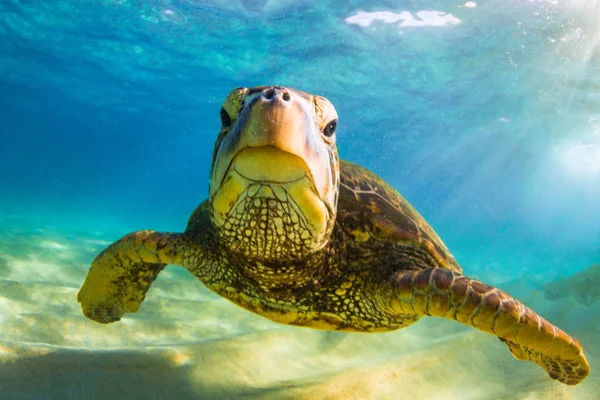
[(77, 374)]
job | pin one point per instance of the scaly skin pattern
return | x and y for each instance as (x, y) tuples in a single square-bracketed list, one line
[(442, 293), (381, 268)]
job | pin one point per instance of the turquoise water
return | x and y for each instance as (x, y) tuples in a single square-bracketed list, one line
[(485, 116)]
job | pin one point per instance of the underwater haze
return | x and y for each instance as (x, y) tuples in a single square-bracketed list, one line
[(484, 115)]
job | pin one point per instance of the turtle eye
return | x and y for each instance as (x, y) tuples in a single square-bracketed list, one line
[(330, 128), (225, 118)]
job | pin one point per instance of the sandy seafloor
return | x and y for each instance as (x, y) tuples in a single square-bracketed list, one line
[(187, 343)]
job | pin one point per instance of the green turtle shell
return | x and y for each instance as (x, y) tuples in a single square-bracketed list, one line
[(369, 208)]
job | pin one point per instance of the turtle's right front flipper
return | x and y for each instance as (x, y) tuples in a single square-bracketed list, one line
[(122, 274), (442, 293)]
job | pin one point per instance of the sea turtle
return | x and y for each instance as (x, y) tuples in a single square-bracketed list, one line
[(292, 233)]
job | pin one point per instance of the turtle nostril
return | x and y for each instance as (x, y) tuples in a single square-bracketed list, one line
[(270, 94), (286, 96)]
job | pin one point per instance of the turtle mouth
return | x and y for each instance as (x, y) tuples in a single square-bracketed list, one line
[(268, 164), (278, 174)]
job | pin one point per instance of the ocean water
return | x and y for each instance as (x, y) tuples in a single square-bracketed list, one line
[(484, 115)]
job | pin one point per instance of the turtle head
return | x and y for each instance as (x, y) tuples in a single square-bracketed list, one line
[(275, 173)]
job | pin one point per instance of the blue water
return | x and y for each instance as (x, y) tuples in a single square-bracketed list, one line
[(486, 118), (109, 110)]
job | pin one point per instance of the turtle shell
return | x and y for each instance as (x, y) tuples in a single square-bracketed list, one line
[(370, 209)]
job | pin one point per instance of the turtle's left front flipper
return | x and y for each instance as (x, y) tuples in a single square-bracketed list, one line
[(122, 274), (442, 293)]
